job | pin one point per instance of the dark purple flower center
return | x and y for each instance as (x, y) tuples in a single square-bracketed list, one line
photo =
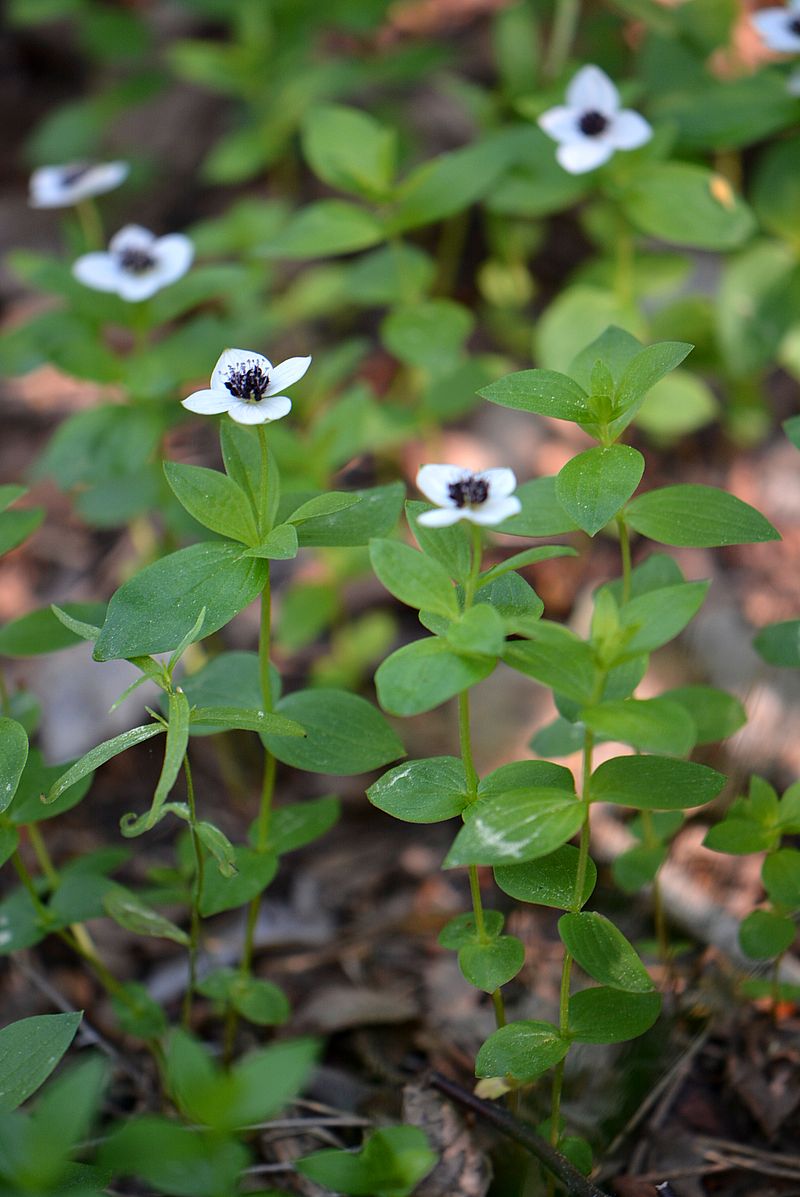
[(249, 384), (73, 174), (592, 124), (136, 261), (794, 26), (468, 491)]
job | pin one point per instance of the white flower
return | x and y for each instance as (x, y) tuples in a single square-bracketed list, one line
[(484, 498), (61, 186), (779, 27), (591, 126), (137, 263), (246, 385)]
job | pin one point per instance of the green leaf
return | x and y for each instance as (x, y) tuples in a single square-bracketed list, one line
[(13, 755), (557, 658), (655, 618), (580, 313), (229, 680), (642, 373), (376, 515), (549, 881), (676, 407), (685, 204), (325, 504), (388, 275), (610, 1016), (517, 826), (391, 1163), (300, 823), (603, 952), (214, 500), (281, 544), (522, 1050), (137, 1013), (781, 876), (324, 229), (430, 335), (776, 192), (649, 724), (247, 719), (463, 929), (254, 872), (425, 674), (764, 935), (517, 604), (715, 714), (481, 630), (414, 578), (174, 753), (526, 775), (655, 783), (542, 514), (451, 547), (153, 610), (487, 966), (16, 526), (42, 632), (345, 734), (545, 392), (80, 629), (700, 516), (595, 485), (98, 756), (130, 912), (425, 791), (779, 644), (740, 836), (29, 1051), (526, 557), (350, 150), (9, 842), (152, 1149), (36, 780), (219, 846)]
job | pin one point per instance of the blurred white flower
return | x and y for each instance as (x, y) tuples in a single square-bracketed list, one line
[(246, 385), (591, 126), (779, 27), (137, 263), (62, 186), (484, 498)]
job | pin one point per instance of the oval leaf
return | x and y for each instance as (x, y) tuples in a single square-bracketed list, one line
[(516, 826), (698, 516), (595, 485)]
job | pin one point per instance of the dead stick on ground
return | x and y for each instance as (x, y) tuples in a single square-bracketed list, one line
[(507, 1124)]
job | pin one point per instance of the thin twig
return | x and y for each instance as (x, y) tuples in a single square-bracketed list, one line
[(507, 1124)]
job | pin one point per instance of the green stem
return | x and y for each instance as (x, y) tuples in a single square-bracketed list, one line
[(91, 225), (449, 251), (566, 970), (562, 35), (199, 878), (42, 855), (625, 551)]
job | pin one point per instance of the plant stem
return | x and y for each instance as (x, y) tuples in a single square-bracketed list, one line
[(566, 970), (625, 550), (91, 224), (199, 878), (50, 874), (562, 35), (268, 777)]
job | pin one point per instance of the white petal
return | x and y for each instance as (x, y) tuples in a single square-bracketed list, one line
[(629, 130), (434, 482), (132, 236), (260, 413), (135, 288), (174, 254), (583, 155), (237, 359), (286, 373), (50, 186), (443, 517), (592, 91), (561, 123), (774, 26), (208, 403), (495, 513), (98, 270), (502, 482)]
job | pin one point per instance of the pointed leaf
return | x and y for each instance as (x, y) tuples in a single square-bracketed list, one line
[(595, 485), (701, 516)]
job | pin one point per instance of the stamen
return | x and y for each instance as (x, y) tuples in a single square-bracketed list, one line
[(469, 490), (593, 123), (794, 26), (72, 174), (136, 261), (249, 384)]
